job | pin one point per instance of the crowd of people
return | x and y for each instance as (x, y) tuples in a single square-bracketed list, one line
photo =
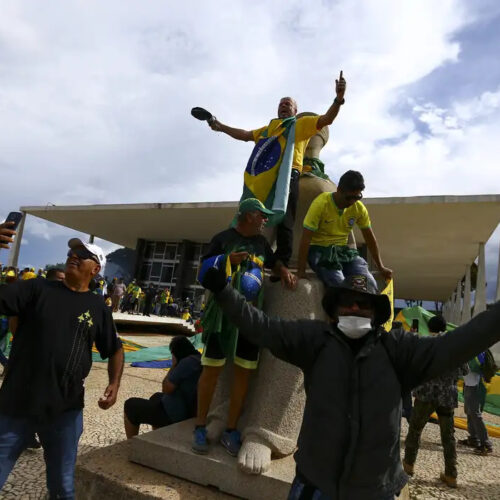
[(355, 372)]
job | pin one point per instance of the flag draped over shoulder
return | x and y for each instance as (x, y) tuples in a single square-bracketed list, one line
[(267, 175), (214, 321)]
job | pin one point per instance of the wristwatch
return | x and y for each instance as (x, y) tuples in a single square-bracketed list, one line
[(339, 102)]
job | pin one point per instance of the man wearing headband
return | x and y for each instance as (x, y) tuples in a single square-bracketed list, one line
[(51, 356), (354, 375), (327, 224)]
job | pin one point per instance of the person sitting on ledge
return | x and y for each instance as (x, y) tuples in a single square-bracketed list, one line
[(354, 375), (327, 224), (177, 401)]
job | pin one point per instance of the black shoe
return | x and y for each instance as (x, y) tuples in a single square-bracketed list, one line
[(468, 442)]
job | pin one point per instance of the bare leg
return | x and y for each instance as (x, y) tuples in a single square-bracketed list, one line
[(131, 430), (206, 388), (238, 393)]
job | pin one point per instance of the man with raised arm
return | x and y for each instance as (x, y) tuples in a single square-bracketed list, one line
[(274, 169), (354, 375)]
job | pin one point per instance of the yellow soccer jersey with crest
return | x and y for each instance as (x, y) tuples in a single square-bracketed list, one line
[(305, 128), (332, 225)]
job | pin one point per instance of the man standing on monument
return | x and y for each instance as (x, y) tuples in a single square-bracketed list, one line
[(354, 375), (327, 224), (243, 252), (273, 169)]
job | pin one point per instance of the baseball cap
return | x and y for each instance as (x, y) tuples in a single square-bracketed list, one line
[(93, 249), (252, 205)]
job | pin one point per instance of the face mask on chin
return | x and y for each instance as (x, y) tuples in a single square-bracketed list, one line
[(354, 327)]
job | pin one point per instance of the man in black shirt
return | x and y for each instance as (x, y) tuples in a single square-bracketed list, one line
[(248, 252), (50, 358)]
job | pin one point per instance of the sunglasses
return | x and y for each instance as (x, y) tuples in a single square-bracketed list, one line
[(83, 254), (362, 303), (353, 197)]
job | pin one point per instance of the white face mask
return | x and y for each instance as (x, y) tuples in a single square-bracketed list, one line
[(354, 327)]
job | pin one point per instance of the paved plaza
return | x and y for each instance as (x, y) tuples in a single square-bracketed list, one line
[(479, 477)]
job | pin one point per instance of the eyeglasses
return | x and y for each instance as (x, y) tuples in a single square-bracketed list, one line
[(83, 254), (349, 301)]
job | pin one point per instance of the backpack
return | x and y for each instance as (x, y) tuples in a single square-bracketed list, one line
[(489, 368)]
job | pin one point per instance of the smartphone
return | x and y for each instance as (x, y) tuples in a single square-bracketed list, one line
[(14, 217), (414, 325)]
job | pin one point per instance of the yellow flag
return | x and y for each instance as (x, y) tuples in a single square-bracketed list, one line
[(389, 291)]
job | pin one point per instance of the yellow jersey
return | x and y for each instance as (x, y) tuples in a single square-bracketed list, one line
[(332, 225)]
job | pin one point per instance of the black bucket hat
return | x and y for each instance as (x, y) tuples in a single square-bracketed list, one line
[(362, 286)]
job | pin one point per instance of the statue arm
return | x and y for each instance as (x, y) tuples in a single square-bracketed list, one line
[(296, 342)]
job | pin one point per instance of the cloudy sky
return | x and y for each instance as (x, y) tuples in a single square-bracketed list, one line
[(95, 98)]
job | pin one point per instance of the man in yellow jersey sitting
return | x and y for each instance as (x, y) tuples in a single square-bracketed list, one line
[(327, 224)]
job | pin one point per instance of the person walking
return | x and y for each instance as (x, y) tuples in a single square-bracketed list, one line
[(439, 395)]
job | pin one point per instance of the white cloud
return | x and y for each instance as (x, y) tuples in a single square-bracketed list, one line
[(95, 97)]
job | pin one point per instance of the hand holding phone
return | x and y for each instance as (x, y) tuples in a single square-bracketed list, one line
[(8, 229)]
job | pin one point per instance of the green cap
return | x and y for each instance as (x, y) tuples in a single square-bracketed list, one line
[(252, 205)]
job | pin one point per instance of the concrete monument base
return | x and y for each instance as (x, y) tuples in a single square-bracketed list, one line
[(169, 450)]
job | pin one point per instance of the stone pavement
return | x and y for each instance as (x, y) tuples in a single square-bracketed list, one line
[(479, 477)]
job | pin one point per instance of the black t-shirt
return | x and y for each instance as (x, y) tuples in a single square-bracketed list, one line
[(52, 349), (231, 240)]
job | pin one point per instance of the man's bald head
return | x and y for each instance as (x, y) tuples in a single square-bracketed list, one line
[(287, 107)]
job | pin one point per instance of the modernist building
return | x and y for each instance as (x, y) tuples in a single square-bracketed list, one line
[(429, 241)]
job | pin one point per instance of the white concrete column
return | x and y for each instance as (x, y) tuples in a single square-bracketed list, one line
[(14, 251), (466, 309), (497, 295), (480, 298)]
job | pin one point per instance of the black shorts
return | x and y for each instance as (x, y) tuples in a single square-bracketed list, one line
[(246, 355), (147, 411)]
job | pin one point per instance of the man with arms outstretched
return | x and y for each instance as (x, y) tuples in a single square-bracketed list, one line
[(305, 128)]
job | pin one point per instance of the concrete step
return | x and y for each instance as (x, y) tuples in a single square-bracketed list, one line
[(107, 473), (169, 450)]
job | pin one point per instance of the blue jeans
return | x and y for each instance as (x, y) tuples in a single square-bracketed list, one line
[(59, 439), (332, 277)]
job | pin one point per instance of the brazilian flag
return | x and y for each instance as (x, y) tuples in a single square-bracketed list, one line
[(267, 175)]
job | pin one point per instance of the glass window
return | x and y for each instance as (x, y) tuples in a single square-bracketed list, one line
[(148, 251), (155, 270), (166, 273), (159, 249), (171, 251), (145, 270)]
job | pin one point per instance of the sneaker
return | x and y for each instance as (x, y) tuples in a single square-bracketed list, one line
[(483, 450), (448, 480), (409, 469), (231, 440), (200, 442)]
